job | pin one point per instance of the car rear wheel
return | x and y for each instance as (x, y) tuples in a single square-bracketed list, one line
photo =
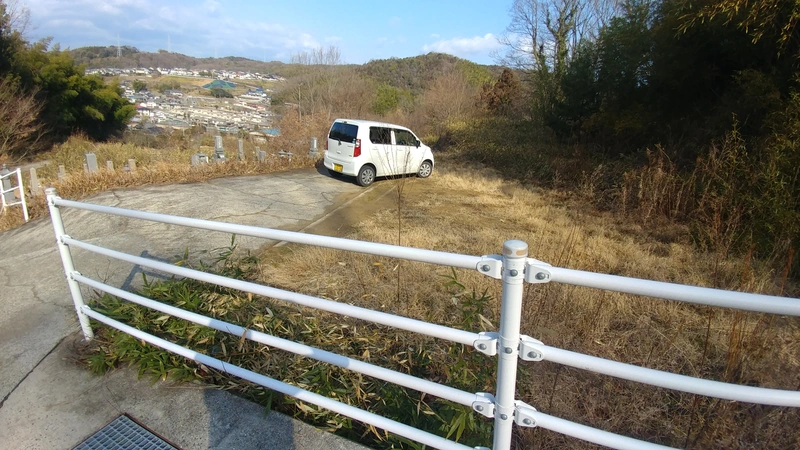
[(425, 169), (366, 176)]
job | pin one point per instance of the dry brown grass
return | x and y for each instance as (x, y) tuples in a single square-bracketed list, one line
[(472, 211)]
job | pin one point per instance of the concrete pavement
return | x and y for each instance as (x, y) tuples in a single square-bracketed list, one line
[(40, 387)]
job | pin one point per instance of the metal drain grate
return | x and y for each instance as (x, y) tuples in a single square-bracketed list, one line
[(124, 434)]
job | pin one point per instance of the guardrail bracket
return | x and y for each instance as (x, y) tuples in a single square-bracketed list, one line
[(484, 404), (491, 265), (487, 343), (530, 349), (537, 272), (523, 414)]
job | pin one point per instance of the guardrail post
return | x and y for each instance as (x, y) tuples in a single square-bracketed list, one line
[(514, 256), (66, 259), (22, 195)]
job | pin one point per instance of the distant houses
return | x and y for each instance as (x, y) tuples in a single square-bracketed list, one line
[(181, 72), (249, 112)]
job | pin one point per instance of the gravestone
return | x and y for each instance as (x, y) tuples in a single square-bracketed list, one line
[(313, 152), (62, 172), (199, 158), (219, 152), (35, 187), (91, 163), (110, 165), (132, 165), (241, 150)]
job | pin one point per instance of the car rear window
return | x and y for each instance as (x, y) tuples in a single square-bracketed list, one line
[(345, 132)]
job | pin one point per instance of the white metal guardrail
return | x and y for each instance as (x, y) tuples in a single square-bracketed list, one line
[(7, 196), (513, 267)]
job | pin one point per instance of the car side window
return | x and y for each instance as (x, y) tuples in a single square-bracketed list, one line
[(380, 135), (404, 137)]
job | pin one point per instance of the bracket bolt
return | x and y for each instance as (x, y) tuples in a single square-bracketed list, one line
[(504, 416), (479, 408), (481, 346), (508, 350), (533, 355), (513, 272), (527, 421), (542, 276), (485, 268)]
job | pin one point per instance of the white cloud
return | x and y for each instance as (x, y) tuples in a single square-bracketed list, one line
[(211, 5), (195, 28), (465, 46), (110, 9)]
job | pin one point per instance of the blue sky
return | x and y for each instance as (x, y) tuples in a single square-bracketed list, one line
[(275, 30)]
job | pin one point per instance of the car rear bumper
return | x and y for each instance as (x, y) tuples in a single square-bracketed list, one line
[(345, 167)]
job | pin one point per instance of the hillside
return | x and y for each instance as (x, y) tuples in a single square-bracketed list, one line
[(99, 57), (417, 72), (413, 73)]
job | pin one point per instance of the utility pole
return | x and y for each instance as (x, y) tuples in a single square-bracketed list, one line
[(119, 49)]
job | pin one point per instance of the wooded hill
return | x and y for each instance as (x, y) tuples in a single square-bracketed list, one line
[(100, 57), (412, 73), (418, 72)]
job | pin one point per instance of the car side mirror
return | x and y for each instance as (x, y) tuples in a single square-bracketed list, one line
[(417, 143)]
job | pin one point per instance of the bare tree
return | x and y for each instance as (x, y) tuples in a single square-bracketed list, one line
[(330, 56), (543, 34), (352, 95), (20, 128), (543, 37), (315, 89), (19, 17), (450, 98)]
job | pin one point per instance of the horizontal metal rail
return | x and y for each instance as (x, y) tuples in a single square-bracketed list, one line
[(294, 391), (411, 382), (670, 291), (590, 434), (372, 248), (700, 386), (417, 326), (680, 292)]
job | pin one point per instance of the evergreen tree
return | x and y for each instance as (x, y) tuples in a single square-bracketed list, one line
[(68, 101)]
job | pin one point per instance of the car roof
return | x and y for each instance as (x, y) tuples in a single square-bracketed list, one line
[(373, 123)]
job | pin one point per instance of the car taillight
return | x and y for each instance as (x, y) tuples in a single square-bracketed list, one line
[(357, 148)]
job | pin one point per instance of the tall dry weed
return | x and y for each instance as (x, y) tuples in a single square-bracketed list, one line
[(724, 177), (656, 190)]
